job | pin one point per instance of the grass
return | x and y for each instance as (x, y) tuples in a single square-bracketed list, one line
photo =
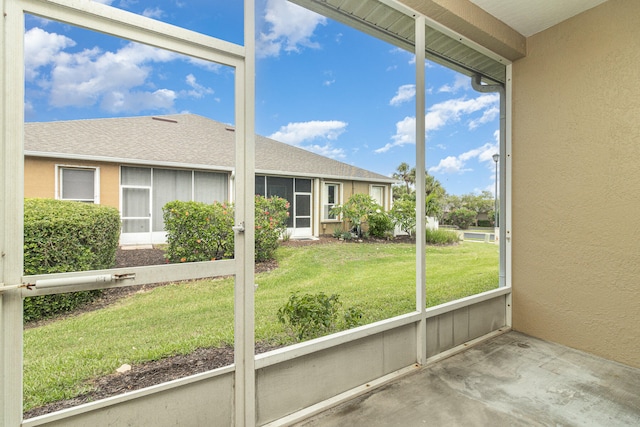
[(61, 357)]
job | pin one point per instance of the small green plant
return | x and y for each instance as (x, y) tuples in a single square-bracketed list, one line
[(310, 315), (442, 237), (352, 317), (313, 315), (346, 235)]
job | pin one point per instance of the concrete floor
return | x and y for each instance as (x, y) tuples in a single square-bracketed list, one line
[(511, 380)]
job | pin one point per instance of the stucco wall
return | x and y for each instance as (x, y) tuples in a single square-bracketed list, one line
[(39, 178), (576, 183)]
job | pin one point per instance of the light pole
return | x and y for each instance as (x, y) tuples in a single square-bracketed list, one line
[(496, 225)]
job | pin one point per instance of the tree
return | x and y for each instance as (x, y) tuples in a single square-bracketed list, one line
[(404, 173), (357, 210)]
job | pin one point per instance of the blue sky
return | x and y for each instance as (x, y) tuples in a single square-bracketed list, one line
[(320, 85)]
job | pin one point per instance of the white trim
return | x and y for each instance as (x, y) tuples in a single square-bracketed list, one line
[(421, 242), (59, 168), (383, 203), (324, 198)]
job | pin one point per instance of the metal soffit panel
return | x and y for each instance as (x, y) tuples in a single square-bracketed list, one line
[(393, 26)]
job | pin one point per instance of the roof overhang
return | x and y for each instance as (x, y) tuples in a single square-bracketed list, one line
[(393, 22)]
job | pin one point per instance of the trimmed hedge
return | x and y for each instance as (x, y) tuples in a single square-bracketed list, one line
[(198, 231), (204, 232), (62, 236)]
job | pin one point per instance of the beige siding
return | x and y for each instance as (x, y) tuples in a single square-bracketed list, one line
[(349, 188), (576, 181), (39, 179)]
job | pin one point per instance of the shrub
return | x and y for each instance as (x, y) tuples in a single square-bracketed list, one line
[(62, 236), (403, 214), (271, 225), (313, 315), (198, 231), (357, 210), (462, 218), (380, 224), (204, 232), (442, 237)]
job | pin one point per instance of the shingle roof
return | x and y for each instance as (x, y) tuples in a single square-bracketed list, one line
[(186, 140)]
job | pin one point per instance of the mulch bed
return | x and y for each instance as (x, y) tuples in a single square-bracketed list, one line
[(170, 368)]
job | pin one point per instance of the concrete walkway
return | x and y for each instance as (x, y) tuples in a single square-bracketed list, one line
[(511, 380)]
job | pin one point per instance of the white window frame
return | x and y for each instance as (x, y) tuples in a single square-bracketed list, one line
[(325, 201), (96, 182), (383, 202)]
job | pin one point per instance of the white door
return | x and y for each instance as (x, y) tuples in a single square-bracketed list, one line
[(136, 216), (302, 215)]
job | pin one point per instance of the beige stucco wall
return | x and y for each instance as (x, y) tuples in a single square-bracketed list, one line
[(349, 188), (576, 183), (39, 178)]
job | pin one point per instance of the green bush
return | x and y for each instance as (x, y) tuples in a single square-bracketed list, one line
[(198, 231), (380, 224), (62, 236), (462, 218), (204, 232), (271, 225), (357, 210), (442, 237), (313, 315)]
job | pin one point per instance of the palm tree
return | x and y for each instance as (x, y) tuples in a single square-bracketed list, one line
[(404, 173)]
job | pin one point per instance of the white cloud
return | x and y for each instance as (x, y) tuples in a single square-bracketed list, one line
[(116, 101), (488, 116), (290, 28), (299, 133), (154, 12), (40, 49), (438, 116), (103, 1), (460, 82), (198, 91), (117, 81), (404, 94), (326, 150), (458, 164)]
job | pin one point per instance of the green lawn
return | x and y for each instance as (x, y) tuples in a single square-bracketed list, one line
[(176, 319)]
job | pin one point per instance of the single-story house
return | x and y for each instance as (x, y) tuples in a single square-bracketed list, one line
[(138, 164)]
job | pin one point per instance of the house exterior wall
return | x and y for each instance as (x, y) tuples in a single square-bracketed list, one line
[(40, 180), (349, 188), (576, 180)]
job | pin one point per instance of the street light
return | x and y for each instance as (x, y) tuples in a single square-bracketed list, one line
[(496, 157)]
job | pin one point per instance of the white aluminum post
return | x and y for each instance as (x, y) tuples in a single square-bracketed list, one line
[(11, 210), (245, 407), (421, 272), (505, 202)]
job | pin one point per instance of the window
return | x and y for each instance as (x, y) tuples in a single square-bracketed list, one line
[(80, 184), (330, 198), (377, 193)]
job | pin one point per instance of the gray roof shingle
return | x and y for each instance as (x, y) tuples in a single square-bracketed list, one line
[(186, 140)]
